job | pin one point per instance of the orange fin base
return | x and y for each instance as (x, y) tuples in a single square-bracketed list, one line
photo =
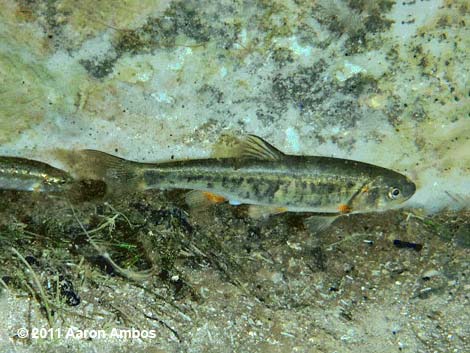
[(343, 208), (214, 198), (197, 199)]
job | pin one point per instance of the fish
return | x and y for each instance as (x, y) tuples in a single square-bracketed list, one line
[(30, 175), (258, 174)]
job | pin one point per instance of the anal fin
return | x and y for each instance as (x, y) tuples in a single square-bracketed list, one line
[(262, 211), (317, 224)]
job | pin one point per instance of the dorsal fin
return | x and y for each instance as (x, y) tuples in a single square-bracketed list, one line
[(255, 147), (227, 146)]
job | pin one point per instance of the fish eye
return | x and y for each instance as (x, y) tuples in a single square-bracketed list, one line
[(394, 193)]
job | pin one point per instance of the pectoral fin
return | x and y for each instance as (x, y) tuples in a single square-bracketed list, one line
[(261, 211), (318, 223), (198, 199)]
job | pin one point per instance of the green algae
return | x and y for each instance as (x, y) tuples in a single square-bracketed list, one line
[(24, 97), (32, 90), (31, 93)]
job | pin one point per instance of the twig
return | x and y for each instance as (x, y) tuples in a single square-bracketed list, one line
[(42, 293), (129, 274), (160, 321)]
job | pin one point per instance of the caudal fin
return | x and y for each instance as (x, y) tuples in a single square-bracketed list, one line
[(117, 173)]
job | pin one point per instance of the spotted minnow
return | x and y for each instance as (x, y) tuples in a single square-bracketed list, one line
[(28, 175), (260, 175)]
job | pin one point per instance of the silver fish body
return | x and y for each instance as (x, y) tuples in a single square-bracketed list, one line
[(29, 175), (297, 183), (259, 174)]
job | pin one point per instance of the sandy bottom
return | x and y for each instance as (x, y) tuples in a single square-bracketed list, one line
[(140, 273)]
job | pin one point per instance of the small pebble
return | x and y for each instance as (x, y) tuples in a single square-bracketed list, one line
[(429, 274), (405, 244)]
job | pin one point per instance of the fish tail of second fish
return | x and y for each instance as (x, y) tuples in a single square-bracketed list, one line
[(118, 174)]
